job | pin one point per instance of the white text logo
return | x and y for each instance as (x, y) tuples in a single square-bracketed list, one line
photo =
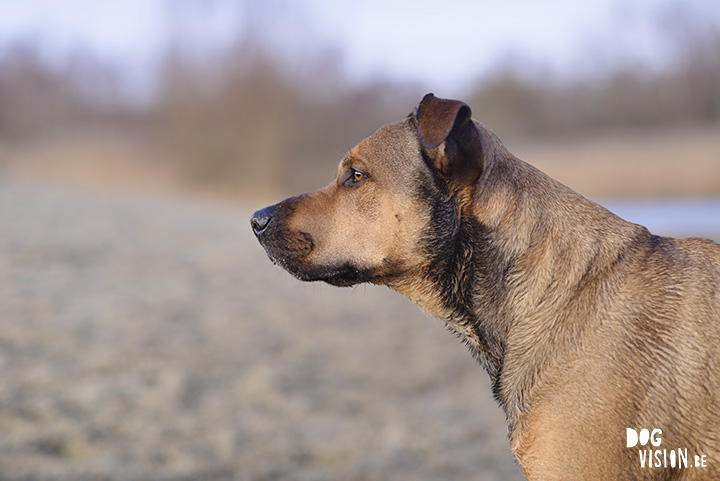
[(651, 456)]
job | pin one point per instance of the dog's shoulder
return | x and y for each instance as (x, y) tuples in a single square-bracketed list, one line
[(706, 249)]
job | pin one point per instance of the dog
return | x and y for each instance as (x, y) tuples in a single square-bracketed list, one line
[(601, 340)]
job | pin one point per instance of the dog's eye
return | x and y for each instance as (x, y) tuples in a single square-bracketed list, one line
[(355, 177)]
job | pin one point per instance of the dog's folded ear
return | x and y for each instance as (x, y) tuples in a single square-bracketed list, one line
[(443, 121), (438, 117)]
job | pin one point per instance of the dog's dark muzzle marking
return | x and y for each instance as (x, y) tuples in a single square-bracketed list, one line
[(285, 247)]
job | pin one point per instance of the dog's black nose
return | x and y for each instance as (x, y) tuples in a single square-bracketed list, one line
[(260, 220)]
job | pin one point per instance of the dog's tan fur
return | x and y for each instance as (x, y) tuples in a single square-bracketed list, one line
[(587, 324)]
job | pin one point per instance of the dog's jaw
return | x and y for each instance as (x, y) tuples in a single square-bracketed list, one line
[(294, 262)]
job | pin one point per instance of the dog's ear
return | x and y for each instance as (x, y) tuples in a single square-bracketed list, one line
[(448, 122), (438, 117)]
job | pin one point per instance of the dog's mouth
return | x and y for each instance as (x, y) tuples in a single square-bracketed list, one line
[(291, 252), (341, 276), (344, 275), (285, 248)]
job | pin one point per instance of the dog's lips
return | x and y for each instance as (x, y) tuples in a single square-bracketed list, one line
[(283, 247), (344, 275)]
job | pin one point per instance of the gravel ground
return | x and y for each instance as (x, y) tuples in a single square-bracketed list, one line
[(147, 339)]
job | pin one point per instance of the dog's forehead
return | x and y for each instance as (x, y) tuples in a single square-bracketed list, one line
[(393, 145)]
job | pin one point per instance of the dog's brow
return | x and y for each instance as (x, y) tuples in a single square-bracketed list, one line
[(344, 164), (351, 158)]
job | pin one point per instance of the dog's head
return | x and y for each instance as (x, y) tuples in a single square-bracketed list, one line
[(394, 195)]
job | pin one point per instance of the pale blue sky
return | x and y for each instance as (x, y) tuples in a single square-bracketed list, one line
[(444, 45)]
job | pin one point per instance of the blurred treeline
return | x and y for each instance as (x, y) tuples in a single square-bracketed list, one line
[(618, 92), (246, 116)]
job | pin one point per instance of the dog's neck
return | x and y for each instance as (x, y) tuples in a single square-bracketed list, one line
[(552, 250), (507, 261)]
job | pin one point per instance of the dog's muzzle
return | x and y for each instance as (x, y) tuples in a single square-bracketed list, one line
[(290, 249), (283, 246)]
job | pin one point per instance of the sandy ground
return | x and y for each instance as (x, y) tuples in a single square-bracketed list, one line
[(147, 339)]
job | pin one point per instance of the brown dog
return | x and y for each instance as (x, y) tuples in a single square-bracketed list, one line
[(602, 340)]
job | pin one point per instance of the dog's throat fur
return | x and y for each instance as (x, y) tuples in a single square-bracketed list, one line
[(470, 277)]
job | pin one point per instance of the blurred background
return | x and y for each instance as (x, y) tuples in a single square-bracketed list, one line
[(145, 336)]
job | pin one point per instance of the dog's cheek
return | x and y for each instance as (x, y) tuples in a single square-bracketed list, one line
[(352, 232), (393, 239)]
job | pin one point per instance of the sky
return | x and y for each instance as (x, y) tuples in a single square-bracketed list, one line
[(443, 44)]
